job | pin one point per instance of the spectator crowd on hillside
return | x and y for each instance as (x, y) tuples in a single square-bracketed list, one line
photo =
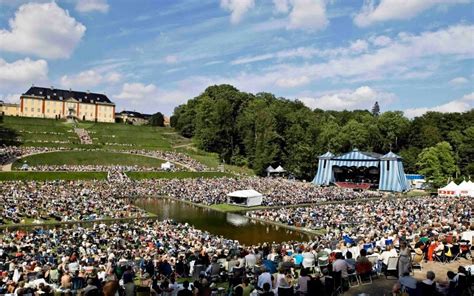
[(8, 154), (276, 191), (39, 202), (99, 168)]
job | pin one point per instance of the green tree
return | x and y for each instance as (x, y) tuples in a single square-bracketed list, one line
[(376, 109), (393, 127), (437, 163), (157, 119)]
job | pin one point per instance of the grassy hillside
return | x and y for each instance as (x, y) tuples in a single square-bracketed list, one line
[(88, 158), (49, 176), (38, 132)]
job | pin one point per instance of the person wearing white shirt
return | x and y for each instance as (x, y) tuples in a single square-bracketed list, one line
[(265, 277), (389, 252)]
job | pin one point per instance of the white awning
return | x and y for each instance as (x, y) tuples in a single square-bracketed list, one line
[(245, 193)]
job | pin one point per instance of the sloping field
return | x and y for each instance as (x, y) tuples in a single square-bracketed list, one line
[(40, 132), (88, 158)]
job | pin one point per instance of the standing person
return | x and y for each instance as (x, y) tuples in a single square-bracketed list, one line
[(185, 291), (404, 261)]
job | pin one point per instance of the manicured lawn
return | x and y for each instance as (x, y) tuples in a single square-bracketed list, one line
[(234, 208), (175, 175), (45, 132), (88, 158), (127, 136), (36, 131), (43, 176), (212, 161)]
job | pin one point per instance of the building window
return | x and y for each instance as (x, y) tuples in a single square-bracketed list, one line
[(48, 111), (38, 109), (49, 97), (388, 165), (32, 109)]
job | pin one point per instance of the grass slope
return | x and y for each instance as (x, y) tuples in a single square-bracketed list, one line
[(175, 175), (49, 176), (88, 158)]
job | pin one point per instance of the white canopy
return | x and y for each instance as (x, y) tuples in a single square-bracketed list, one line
[(167, 165), (466, 188), (279, 169), (451, 189), (245, 193), (247, 198), (270, 169)]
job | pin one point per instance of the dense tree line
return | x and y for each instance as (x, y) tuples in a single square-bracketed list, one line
[(260, 130)]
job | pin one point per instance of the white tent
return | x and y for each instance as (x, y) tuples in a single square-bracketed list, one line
[(248, 198), (269, 170), (449, 190), (279, 169), (167, 166), (466, 189)]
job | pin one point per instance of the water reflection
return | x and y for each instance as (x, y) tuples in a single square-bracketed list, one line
[(229, 225), (237, 220)]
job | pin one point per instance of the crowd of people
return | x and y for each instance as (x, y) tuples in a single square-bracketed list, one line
[(83, 136), (276, 191), (98, 168), (8, 154), (39, 202), (375, 219), (150, 256), (175, 157)]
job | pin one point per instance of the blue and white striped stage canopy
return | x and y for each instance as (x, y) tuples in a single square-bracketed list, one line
[(392, 175)]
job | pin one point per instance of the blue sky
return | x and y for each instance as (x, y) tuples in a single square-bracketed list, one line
[(152, 55)]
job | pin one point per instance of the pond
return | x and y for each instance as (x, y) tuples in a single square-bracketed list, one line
[(230, 225)]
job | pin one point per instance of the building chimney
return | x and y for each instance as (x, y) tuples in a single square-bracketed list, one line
[(52, 87), (88, 91)]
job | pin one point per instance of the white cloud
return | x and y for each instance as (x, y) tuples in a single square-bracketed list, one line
[(463, 104), (89, 79), (308, 15), (388, 10), (92, 5), (22, 72), (142, 96), (302, 52), (359, 46), (361, 98), (458, 81), (45, 30), (237, 8), (408, 56), (136, 92), (10, 98), (381, 40), (281, 6), (292, 82)]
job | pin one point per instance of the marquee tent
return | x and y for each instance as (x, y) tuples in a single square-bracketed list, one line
[(279, 169), (452, 189), (466, 189), (388, 168), (248, 198)]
